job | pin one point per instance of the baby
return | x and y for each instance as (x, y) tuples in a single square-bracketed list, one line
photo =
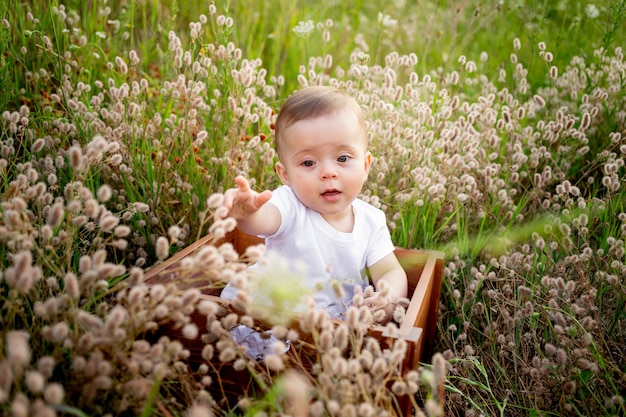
[(316, 217)]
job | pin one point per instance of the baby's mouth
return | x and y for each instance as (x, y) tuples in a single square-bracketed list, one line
[(331, 192), (331, 195)]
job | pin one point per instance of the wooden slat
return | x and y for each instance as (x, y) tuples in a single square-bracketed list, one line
[(159, 268)]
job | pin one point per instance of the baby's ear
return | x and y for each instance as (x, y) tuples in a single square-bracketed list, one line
[(282, 173), (368, 161)]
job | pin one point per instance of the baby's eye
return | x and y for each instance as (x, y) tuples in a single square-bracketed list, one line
[(308, 163), (343, 158)]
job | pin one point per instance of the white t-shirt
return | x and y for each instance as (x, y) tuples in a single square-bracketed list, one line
[(327, 254)]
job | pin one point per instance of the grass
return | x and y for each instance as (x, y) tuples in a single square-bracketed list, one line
[(498, 134)]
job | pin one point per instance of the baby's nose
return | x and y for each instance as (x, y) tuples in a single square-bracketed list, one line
[(328, 171)]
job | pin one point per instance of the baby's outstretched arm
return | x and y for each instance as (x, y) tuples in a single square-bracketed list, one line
[(249, 208)]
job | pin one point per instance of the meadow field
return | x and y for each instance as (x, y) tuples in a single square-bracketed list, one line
[(498, 130)]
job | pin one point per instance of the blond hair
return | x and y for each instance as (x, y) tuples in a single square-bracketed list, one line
[(311, 103)]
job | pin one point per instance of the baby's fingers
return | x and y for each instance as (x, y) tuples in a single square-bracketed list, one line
[(373, 301), (242, 184), (262, 198), (230, 197), (221, 213)]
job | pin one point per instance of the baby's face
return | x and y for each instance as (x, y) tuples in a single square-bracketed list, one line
[(325, 161)]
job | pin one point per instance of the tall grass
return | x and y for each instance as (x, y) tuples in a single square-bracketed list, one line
[(498, 135)]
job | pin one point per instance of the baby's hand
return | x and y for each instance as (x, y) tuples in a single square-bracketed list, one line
[(378, 302), (241, 202)]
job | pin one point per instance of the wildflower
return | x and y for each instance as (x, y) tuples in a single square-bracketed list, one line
[(561, 357), (190, 331), (333, 407), (141, 207), (433, 408), (470, 66), (591, 10), (116, 317), (162, 248), (539, 100), (76, 157), (342, 337), (336, 285), (108, 222), (34, 381), (215, 200), (295, 389), (586, 122), (88, 320), (206, 307), (274, 362), (199, 410), (74, 206), (386, 21), (276, 291), (304, 29), (227, 355), (207, 352), (339, 366), (121, 231), (45, 366), (55, 215), (17, 347), (19, 406), (326, 38), (399, 388), (104, 193), (379, 368), (38, 145), (554, 72), (230, 321), (54, 393)]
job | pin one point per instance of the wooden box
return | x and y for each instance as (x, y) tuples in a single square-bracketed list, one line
[(424, 270)]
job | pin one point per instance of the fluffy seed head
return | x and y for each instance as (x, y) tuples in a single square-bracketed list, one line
[(45, 365), (108, 222), (71, 285), (215, 200), (104, 193), (17, 347), (190, 331), (34, 381), (75, 155), (55, 215), (227, 355), (162, 248), (274, 362), (54, 393), (59, 332)]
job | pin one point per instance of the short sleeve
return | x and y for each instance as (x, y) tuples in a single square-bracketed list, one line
[(380, 244), (371, 226), (288, 206)]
